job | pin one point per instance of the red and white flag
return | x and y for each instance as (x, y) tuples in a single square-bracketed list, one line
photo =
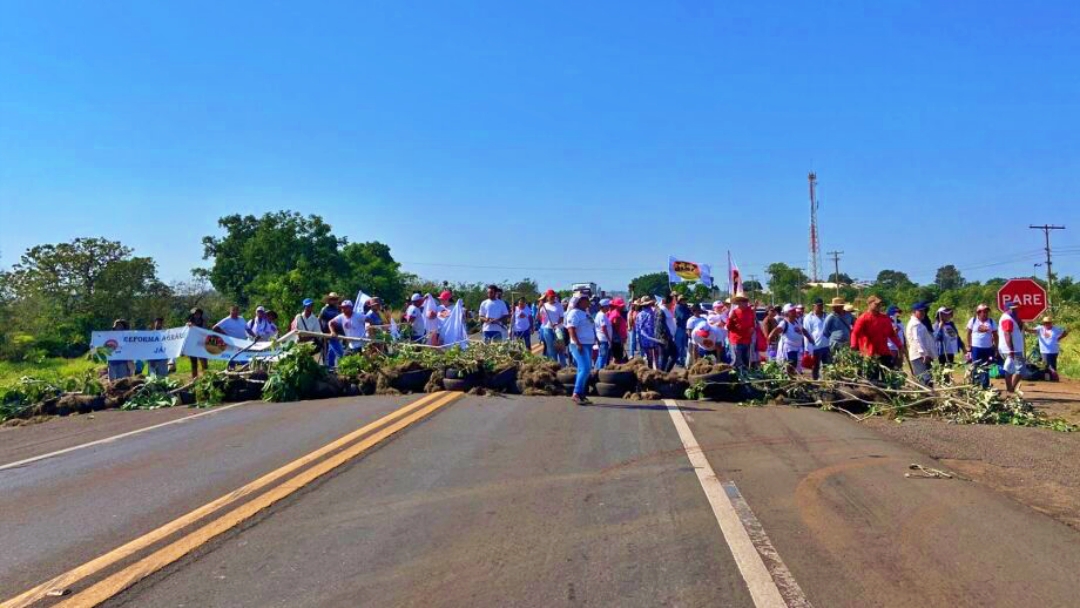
[(735, 284)]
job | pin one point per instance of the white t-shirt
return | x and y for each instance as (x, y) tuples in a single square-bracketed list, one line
[(1048, 340), (711, 338), (494, 309), (982, 332), (951, 344), (792, 338), (816, 326), (522, 319), (234, 328), (353, 327), (583, 324), (718, 320), (1017, 335), (899, 325), (602, 322), (693, 322), (553, 314), (415, 315)]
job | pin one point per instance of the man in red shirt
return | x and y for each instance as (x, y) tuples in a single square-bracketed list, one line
[(741, 326), (872, 332)]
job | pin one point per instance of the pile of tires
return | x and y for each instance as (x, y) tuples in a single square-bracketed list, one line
[(719, 386), (615, 383), (455, 380)]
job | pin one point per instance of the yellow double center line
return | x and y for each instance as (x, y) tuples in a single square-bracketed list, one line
[(372, 435)]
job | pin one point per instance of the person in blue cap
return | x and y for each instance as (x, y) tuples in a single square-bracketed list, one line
[(307, 321), (893, 313), (922, 348)]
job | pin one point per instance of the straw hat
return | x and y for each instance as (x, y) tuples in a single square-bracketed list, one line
[(740, 298), (838, 302), (331, 297), (850, 308), (646, 301)]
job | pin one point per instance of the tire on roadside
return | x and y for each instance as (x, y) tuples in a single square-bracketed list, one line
[(608, 389), (457, 385), (620, 377)]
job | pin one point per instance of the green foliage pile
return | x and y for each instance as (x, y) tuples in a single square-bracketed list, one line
[(294, 375), (154, 393)]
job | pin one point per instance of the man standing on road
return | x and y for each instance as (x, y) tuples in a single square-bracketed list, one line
[(233, 325), (1050, 336), (1011, 344), (493, 314), (921, 346), (196, 319), (838, 325), (682, 315), (350, 325), (872, 332), (582, 334), (983, 340), (330, 310), (742, 325), (604, 334), (815, 324), (414, 316), (158, 367)]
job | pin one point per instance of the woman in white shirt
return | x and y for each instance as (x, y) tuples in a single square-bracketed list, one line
[(552, 316), (582, 332), (792, 334), (1050, 337), (522, 323), (603, 334)]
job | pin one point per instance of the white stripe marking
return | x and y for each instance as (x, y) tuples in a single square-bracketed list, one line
[(27, 461), (735, 517)]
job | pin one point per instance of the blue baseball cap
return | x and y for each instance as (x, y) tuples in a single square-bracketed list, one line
[(893, 310), (920, 306), (605, 302), (308, 302)]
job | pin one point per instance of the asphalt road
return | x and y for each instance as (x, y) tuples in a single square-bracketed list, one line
[(514, 501)]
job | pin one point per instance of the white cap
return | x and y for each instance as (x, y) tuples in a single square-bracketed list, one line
[(787, 308)]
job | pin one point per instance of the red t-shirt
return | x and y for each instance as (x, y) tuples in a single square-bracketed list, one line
[(872, 333), (741, 325)]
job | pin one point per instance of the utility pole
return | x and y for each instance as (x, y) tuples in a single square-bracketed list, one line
[(835, 255), (1046, 228), (753, 280)]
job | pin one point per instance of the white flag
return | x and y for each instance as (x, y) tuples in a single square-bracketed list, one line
[(452, 328), (361, 297)]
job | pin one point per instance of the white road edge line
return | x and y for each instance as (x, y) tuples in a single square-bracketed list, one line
[(21, 463), (740, 529)]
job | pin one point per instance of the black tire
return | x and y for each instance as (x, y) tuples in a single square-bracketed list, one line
[(454, 384), (607, 389), (622, 378), (566, 375), (413, 382), (717, 378), (504, 381), (568, 389)]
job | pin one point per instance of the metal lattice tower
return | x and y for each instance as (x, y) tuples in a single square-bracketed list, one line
[(815, 242)]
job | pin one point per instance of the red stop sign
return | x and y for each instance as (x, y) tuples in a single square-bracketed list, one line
[(1029, 295)]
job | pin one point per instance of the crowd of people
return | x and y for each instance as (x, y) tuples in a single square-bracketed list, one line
[(590, 331)]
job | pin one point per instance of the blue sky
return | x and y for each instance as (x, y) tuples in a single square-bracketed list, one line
[(496, 140)]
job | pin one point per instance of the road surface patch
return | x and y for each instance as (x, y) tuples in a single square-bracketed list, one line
[(426, 405), (770, 583)]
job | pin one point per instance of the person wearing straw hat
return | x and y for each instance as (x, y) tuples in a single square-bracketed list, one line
[(582, 334), (332, 349), (647, 319), (742, 329), (982, 339), (1050, 337)]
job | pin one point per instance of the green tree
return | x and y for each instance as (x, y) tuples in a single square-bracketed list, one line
[(893, 279), (654, 283), (841, 278), (785, 282), (948, 277)]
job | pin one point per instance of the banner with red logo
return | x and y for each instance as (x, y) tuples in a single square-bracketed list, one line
[(149, 345)]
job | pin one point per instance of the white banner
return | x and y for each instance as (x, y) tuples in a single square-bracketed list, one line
[(173, 343)]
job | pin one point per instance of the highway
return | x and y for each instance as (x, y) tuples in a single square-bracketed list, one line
[(455, 500)]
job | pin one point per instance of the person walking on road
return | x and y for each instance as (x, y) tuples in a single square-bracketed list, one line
[(983, 340), (605, 334), (647, 320), (838, 325), (523, 323), (815, 324), (922, 348), (552, 319), (494, 315), (618, 330), (582, 334), (947, 336), (1050, 337), (742, 327), (196, 319), (791, 333), (872, 332), (1011, 345)]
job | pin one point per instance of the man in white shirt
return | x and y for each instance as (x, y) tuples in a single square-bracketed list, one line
[(261, 328), (603, 334), (233, 325), (922, 348), (348, 324), (1011, 345), (718, 319), (1050, 336), (307, 321), (494, 315), (414, 316), (815, 324)]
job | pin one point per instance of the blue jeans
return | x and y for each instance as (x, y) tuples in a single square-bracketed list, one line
[(583, 357), (526, 336), (742, 355), (982, 359), (547, 336), (633, 346), (493, 336), (821, 355), (604, 355), (680, 345), (334, 351)]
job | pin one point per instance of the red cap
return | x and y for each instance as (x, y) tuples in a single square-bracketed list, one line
[(618, 302), (550, 293), (446, 295)]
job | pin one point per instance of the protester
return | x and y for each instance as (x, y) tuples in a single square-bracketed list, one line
[(445, 303), (582, 334), (374, 314), (947, 336), (349, 324), (838, 325), (820, 344), (695, 349), (553, 315), (665, 333), (414, 317), (260, 328), (922, 349), (1011, 345), (1050, 336), (523, 323), (633, 332), (742, 327), (983, 339), (604, 334), (647, 322), (682, 315), (233, 325), (772, 319), (617, 317), (872, 332), (158, 367), (898, 348), (120, 369), (494, 315), (196, 319), (718, 319), (792, 334), (332, 348)]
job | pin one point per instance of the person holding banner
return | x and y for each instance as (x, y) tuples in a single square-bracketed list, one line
[(349, 325), (233, 325), (196, 319), (158, 367), (120, 369)]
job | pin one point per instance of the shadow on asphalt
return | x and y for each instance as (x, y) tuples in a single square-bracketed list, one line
[(659, 407)]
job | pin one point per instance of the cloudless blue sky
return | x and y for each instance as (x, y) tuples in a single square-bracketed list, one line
[(553, 135)]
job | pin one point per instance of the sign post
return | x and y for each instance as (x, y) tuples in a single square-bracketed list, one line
[(1029, 295)]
